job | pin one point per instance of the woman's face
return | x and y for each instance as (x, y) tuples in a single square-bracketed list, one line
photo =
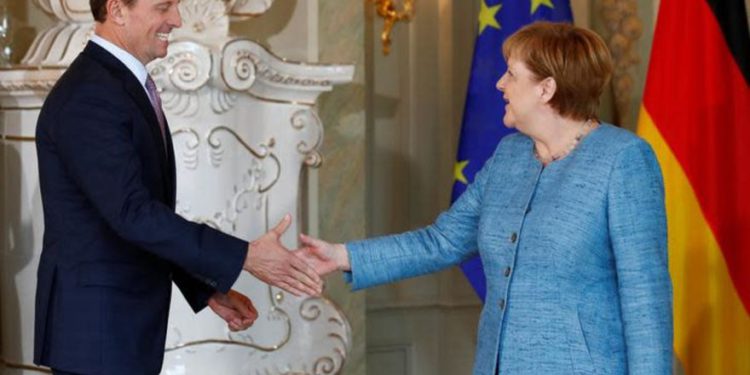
[(521, 93)]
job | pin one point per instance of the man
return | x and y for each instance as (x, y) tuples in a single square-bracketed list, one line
[(112, 242)]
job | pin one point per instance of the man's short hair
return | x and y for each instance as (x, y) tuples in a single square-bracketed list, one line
[(99, 8)]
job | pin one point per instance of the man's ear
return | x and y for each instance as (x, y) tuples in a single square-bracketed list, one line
[(116, 12), (548, 88)]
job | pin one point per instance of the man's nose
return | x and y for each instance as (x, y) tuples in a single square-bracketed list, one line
[(176, 19)]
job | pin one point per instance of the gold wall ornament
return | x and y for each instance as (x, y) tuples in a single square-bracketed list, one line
[(390, 15)]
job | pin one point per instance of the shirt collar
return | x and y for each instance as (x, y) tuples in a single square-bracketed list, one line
[(133, 64)]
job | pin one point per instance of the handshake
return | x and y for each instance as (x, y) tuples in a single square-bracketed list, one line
[(298, 272)]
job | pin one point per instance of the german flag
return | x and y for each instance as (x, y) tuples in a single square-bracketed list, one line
[(696, 115)]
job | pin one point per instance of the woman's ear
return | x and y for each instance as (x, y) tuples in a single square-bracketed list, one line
[(548, 88)]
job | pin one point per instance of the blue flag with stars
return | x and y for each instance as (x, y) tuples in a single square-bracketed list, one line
[(482, 125)]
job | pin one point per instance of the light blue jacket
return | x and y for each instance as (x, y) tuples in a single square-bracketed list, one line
[(575, 256)]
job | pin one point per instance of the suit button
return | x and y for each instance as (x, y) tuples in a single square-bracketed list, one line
[(513, 237), (507, 271), (501, 304)]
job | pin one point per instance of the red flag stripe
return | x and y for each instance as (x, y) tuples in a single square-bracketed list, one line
[(700, 102)]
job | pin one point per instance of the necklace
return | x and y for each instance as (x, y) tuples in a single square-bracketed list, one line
[(585, 129)]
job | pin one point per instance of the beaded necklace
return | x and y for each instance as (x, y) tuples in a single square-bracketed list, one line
[(585, 129)]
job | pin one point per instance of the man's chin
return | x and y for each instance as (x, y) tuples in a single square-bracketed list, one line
[(162, 53)]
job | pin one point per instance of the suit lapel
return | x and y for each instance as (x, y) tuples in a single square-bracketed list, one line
[(137, 92), (172, 183)]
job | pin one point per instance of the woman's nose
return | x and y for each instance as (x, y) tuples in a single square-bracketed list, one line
[(500, 83)]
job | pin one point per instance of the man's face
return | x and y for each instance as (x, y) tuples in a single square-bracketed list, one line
[(147, 24)]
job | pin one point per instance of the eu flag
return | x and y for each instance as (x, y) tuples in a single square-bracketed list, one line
[(482, 126)]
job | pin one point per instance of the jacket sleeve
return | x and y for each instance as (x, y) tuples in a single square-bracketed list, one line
[(196, 292), (638, 233), (449, 241), (93, 138)]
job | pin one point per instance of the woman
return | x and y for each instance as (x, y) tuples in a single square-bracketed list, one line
[(568, 217)]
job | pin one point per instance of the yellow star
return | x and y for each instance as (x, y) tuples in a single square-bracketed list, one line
[(536, 3), (487, 16), (458, 171)]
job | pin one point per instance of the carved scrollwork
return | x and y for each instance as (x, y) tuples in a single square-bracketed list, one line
[(241, 201), (238, 68), (324, 365), (262, 174), (249, 68), (26, 85), (244, 61), (222, 101), (247, 8), (263, 152), (203, 20), (270, 74), (187, 67), (308, 119), (181, 104), (311, 310), (180, 75), (70, 10), (190, 155)]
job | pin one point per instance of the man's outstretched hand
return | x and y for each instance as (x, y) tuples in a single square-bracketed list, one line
[(268, 260)]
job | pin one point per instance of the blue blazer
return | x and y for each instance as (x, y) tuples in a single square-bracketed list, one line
[(575, 256), (112, 241)]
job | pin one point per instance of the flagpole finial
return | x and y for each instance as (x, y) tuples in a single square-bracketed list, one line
[(387, 10)]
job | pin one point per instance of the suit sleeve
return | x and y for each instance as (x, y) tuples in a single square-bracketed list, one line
[(196, 292), (449, 241), (93, 137), (638, 233)]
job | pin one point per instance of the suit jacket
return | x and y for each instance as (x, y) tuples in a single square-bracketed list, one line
[(575, 255), (112, 241)]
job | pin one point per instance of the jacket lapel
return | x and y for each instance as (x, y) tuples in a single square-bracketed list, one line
[(172, 175), (138, 94)]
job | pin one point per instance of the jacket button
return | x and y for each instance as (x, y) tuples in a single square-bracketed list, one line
[(507, 271), (502, 304), (513, 237)]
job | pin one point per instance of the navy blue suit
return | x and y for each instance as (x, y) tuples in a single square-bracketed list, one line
[(112, 241)]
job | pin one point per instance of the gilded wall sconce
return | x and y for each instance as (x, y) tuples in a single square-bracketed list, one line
[(386, 9)]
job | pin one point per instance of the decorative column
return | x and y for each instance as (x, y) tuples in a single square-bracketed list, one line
[(244, 125), (624, 28)]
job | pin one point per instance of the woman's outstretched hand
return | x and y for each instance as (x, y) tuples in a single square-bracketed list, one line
[(322, 256)]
